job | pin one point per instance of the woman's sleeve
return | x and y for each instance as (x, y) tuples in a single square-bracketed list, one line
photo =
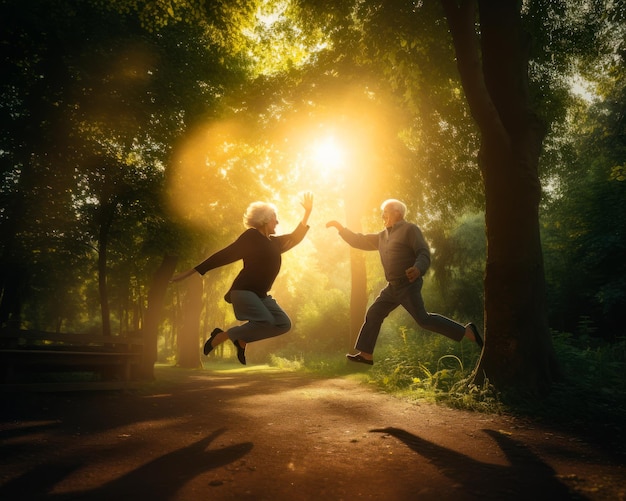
[(290, 240), (230, 254)]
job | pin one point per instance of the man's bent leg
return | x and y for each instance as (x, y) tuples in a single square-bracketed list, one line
[(413, 303)]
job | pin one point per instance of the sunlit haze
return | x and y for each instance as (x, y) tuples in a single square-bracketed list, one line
[(327, 154), (221, 167)]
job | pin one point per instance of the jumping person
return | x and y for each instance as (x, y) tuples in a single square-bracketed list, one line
[(405, 257), (260, 251)]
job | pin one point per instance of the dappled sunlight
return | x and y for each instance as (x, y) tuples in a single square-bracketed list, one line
[(153, 424), (159, 395), (255, 369), (277, 41)]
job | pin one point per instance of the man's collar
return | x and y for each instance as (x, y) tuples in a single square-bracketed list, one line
[(398, 223)]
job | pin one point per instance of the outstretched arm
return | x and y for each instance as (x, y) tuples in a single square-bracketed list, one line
[(356, 240)]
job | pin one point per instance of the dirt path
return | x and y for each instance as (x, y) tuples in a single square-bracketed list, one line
[(268, 435)]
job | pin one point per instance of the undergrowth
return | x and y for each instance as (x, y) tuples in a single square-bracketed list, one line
[(434, 369)]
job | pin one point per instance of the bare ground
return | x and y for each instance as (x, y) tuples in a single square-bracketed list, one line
[(268, 435)]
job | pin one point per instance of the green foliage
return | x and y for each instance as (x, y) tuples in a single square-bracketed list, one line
[(285, 364), (400, 56), (584, 239), (327, 365), (592, 389), (422, 365), (592, 366), (417, 368), (457, 268), (92, 106)]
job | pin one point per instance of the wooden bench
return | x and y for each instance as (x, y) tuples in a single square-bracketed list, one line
[(47, 361)]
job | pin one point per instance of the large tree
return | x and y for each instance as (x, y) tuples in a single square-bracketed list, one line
[(493, 53)]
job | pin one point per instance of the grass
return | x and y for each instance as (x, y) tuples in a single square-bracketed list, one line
[(434, 369)]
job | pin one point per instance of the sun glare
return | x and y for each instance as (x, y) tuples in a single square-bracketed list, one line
[(328, 155)]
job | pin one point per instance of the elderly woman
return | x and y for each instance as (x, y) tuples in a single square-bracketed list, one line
[(261, 253)]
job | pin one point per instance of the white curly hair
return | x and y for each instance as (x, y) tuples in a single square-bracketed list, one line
[(258, 213)]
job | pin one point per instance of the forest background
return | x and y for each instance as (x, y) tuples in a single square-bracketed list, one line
[(135, 133)]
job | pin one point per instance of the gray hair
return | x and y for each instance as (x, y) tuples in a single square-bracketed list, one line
[(258, 213), (396, 205)]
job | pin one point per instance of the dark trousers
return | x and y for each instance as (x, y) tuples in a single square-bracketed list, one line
[(408, 296)]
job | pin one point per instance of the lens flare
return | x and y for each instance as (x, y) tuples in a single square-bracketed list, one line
[(327, 153), (327, 157)]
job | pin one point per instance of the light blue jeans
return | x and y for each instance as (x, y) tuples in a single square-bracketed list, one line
[(264, 317)]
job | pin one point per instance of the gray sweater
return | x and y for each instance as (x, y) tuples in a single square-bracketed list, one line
[(400, 247)]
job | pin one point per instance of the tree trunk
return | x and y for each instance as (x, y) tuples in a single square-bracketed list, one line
[(189, 335), (518, 354), (358, 293), (13, 274), (11, 279), (105, 221), (154, 313), (358, 272)]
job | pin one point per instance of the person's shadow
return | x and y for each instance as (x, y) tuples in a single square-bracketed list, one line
[(526, 477), (158, 479)]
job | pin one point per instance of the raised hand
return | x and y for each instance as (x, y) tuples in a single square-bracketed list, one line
[(307, 201)]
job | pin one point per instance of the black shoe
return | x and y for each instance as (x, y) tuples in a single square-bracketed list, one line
[(359, 358), (208, 346), (241, 352), (477, 336)]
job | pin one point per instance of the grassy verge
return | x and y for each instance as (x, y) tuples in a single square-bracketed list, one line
[(592, 393)]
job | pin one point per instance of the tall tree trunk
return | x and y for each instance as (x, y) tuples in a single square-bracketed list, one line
[(358, 272), (154, 314), (518, 351), (12, 271), (12, 277), (358, 293), (189, 335), (105, 221)]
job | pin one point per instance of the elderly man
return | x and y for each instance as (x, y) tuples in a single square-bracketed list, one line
[(405, 257)]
